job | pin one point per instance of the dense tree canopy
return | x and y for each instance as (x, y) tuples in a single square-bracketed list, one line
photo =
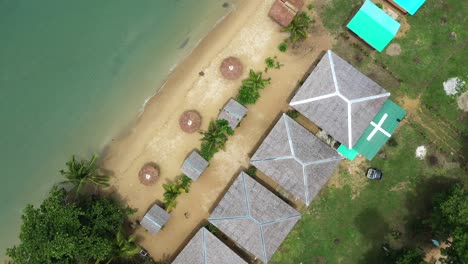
[(63, 232)]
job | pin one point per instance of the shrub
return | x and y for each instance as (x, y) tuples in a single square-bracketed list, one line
[(299, 27), (252, 171), (249, 92), (310, 6), (392, 142), (293, 114), (283, 47)]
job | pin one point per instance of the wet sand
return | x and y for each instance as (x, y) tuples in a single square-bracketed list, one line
[(247, 33)]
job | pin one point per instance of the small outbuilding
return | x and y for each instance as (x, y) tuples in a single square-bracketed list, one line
[(233, 112), (296, 159), (194, 165), (409, 6), (283, 11), (205, 248), (339, 99), (155, 219), (374, 26), (254, 218)]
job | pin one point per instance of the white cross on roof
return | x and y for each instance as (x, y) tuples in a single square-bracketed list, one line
[(378, 127)]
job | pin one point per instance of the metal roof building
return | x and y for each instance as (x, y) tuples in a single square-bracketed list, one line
[(411, 6), (194, 165), (340, 99), (296, 159), (374, 26), (205, 248), (233, 112), (253, 217), (155, 219)]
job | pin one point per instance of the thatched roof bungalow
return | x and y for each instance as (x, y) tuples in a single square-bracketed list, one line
[(233, 112), (194, 165), (283, 11), (253, 217), (340, 99), (155, 219), (205, 248), (296, 159)]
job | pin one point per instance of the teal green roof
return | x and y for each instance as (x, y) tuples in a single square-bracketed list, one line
[(410, 5), (374, 26), (348, 153), (373, 138)]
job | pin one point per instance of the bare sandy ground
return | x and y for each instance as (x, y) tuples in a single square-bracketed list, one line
[(251, 35)]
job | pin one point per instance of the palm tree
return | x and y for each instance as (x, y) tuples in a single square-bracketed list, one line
[(217, 134), (255, 81), (298, 27), (82, 172), (127, 246), (171, 191)]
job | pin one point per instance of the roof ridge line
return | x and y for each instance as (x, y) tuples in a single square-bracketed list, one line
[(350, 123), (323, 161), (372, 97), (289, 136), (228, 218), (263, 244), (282, 219), (204, 247), (332, 67), (152, 221), (313, 99), (273, 159), (306, 190), (246, 195)]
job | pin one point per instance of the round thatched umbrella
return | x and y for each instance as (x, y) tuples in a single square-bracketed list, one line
[(190, 121), (148, 174), (231, 68)]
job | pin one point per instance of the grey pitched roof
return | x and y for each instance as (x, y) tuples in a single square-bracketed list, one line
[(296, 159), (154, 219), (233, 112), (253, 217), (205, 248), (194, 165), (340, 99)]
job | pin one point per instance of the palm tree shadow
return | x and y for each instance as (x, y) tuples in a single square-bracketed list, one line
[(373, 228)]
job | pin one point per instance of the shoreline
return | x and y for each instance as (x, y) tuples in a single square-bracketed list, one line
[(249, 34)]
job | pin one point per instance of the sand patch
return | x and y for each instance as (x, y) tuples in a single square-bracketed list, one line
[(400, 186), (393, 49), (453, 85), (421, 152), (354, 176), (462, 101)]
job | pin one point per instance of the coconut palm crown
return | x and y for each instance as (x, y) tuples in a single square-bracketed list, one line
[(82, 172)]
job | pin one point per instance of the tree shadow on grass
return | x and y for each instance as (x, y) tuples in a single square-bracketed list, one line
[(373, 227), (419, 204)]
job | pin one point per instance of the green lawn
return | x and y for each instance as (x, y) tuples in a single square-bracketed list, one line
[(349, 223)]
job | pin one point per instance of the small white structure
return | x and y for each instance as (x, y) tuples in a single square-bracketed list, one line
[(421, 152)]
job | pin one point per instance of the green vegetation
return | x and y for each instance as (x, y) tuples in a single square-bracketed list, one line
[(172, 191), (249, 92), (272, 63), (379, 5), (283, 47), (83, 172), (85, 231), (293, 113), (352, 219), (299, 27), (310, 6), (252, 171), (214, 139)]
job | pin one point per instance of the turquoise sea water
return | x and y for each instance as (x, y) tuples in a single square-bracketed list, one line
[(75, 73)]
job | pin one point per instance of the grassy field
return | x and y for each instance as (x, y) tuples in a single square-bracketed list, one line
[(352, 218)]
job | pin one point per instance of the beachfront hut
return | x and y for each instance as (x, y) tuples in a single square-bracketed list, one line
[(231, 68), (148, 174), (253, 217), (340, 99), (296, 159), (205, 248), (408, 6), (190, 121), (374, 26), (155, 219), (283, 11), (194, 165), (233, 112)]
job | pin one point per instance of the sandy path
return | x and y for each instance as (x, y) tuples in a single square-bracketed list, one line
[(249, 34)]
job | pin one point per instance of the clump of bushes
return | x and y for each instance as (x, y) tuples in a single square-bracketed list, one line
[(272, 63), (214, 139), (249, 92), (252, 171)]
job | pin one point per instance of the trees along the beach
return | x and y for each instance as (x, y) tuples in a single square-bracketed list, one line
[(249, 92), (83, 231), (214, 139), (83, 172)]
